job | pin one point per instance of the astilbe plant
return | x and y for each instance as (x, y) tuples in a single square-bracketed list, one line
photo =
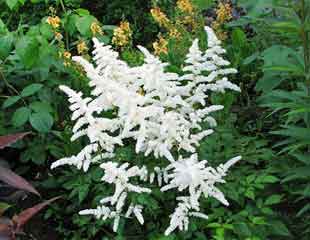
[(163, 113)]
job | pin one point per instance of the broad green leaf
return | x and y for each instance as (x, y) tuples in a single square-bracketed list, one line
[(83, 25), (42, 122), (20, 116), (10, 101), (31, 89), (41, 107), (11, 3), (27, 48)]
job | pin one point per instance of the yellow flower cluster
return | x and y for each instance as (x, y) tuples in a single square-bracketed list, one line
[(122, 34), (67, 58), (160, 46), (96, 29), (160, 17), (82, 47), (53, 21), (185, 6), (174, 33), (223, 15)]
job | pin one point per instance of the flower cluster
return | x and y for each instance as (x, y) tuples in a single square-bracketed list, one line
[(96, 29), (122, 34), (53, 21), (223, 15), (160, 46), (185, 6), (160, 17), (162, 112)]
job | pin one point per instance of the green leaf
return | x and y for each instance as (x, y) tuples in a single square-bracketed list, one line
[(31, 89), (279, 228), (27, 48), (11, 3), (83, 25), (273, 199), (202, 4), (20, 116), (299, 133), (266, 179), (6, 45), (242, 229), (42, 122), (3, 207), (10, 101), (83, 191), (41, 107)]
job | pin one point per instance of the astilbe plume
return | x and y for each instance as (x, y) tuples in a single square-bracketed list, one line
[(158, 110)]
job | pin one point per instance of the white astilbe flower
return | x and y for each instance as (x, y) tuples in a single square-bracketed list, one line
[(196, 176), (187, 207), (120, 176), (163, 113)]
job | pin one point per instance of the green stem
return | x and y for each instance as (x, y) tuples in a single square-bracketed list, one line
[(11, 87)]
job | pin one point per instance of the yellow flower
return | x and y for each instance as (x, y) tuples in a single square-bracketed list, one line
[(160, 17), (82, 47), (160, 46), (53, 21), (122, 34), (185, 6), (96, 29), (67, 55), (58, 36)]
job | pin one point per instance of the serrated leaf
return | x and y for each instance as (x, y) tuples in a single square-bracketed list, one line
[(31, 89), (20, 116)]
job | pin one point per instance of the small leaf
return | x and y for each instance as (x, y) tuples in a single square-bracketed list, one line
[(3, 207), (31, 89), (21, 219), (10, 101), (274, 199), (10, 139), (20, 116), (42, 122), (12, 179)]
